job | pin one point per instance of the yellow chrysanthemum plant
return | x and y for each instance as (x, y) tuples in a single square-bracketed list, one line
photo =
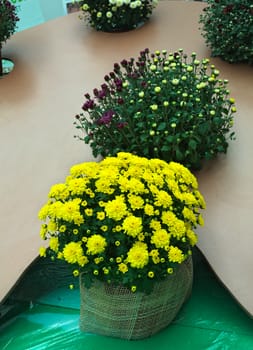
[(126, 220)]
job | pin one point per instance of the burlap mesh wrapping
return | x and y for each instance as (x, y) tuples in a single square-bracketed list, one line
[(117, 312)]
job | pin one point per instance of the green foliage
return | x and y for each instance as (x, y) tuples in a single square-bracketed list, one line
[(160, 106), (227, 26), (8, 20)]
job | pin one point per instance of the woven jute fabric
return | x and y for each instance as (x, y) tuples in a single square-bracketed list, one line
[(117, 312)]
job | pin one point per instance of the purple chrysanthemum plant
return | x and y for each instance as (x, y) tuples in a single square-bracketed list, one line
[(160, 105)]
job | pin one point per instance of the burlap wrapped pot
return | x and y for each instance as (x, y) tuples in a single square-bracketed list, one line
[(117, 312)]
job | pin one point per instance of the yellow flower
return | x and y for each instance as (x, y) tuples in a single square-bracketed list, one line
[(82, 260), (69, 210), (169, 270), (189, 199), (59, 191), (97, 261), (149, 209), (43, 213), (141, 236), (116, 209), (62, 228), (168, 217), (132, 185), (200, 220), (43, 252), (189, 215), (100, 215), (52, 226), (175, 255), (77, 186), (90, 169), (123, 268), (78, 219), (88, 211), (138, 256), (136, 202), (43, 231), (192, 237), (154, 253), (54, 244), (103, 184), (160, 238), (60, 256), (96, 244), (156, 225), (177, 228), (72, 252), (132, 225), (75, 273), (151, 274)]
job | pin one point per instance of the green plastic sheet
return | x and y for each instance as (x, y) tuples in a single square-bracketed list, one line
[(211, 319)]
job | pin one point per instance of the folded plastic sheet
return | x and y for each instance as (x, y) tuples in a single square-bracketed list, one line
[(211, 319)]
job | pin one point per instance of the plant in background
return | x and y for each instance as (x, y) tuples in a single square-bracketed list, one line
[(8, 22), (227, 26), (160, 106), (116, 15), (126, 220)]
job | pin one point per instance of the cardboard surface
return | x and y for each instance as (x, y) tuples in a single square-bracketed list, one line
[(55, 64)]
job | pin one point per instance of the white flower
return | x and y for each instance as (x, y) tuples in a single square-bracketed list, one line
[(133, 5), (119, 3)]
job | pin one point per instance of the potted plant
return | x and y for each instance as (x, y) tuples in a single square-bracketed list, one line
[(160, 105), (8, 22), (116, 15), (126, 226), (227, 26)]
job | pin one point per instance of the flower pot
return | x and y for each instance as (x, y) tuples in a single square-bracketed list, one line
[(7, 66), (115, 311)]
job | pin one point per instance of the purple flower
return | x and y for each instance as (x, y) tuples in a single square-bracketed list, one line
[(106, 118), (120, 101), (124, 63), (121, 125), (95, 92), (90, 104), (118, 84), (116, 67), (101, 94)]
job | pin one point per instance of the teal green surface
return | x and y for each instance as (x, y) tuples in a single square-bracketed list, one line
[(211, 319)]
